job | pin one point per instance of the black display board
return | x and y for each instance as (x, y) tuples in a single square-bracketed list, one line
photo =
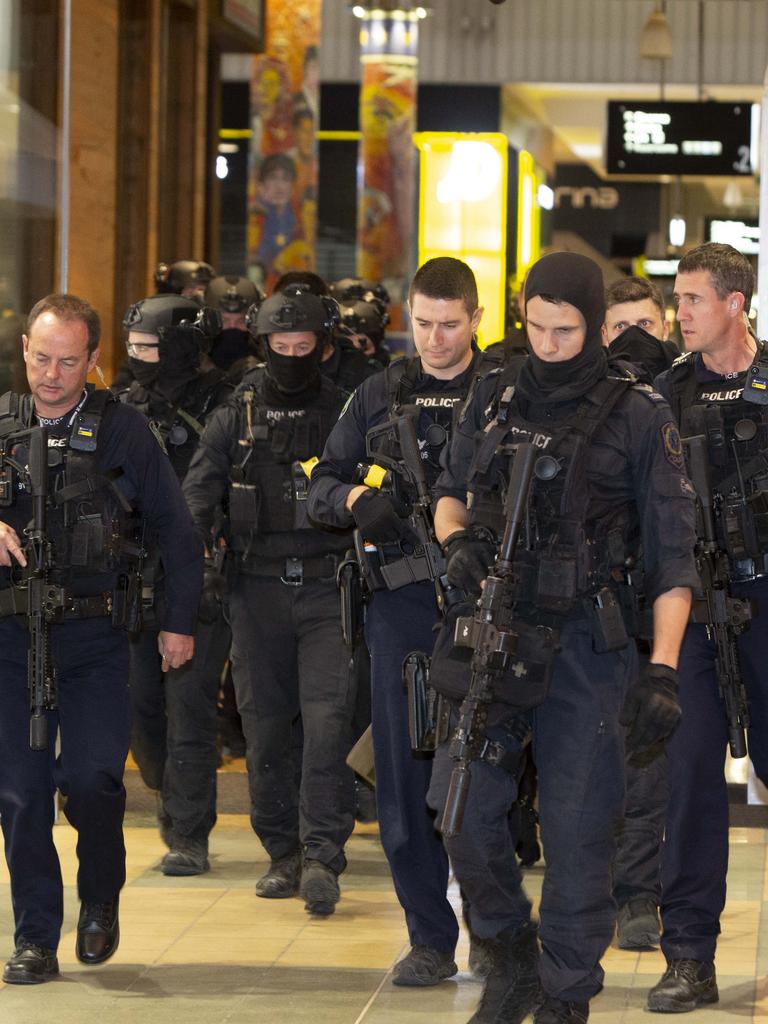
[(679, 138)]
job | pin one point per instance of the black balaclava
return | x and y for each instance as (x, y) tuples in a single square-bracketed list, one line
[(638, 346), (232, 344), (145, 373), (292, 377), (179, 360), (576, 279)]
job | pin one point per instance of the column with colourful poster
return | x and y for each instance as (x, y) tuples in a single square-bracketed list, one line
[(386, 178), (282, 184)]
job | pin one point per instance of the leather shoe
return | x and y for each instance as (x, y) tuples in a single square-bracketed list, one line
[(684, 985), (282, 879), (98, 931), (30, 965)]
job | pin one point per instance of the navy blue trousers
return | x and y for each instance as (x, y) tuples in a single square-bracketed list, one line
[(175, 723), (93, 720), (694, 860), (397, 623), (579, 752)]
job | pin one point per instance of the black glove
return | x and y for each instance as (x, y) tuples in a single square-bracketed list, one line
[(380, 517), (468, 556), (214, 590), (651, 709)]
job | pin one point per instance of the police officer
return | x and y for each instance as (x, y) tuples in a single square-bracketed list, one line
[(636, 331), (445, 315), (189, 278), (104, 466), (232, 296), (610, 473), (707, 389), (173, 734), (364, 315), (288, 657)]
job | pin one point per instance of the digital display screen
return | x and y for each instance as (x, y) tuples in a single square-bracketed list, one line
[(743, 235), (681, 138)]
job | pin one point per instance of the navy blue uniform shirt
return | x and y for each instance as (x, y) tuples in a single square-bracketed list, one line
[(634, 458)]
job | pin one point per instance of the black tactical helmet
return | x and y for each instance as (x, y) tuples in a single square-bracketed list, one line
[(173, 278), (349, 289), (159, 313), (232, 294), (359, 317), (291, 311)]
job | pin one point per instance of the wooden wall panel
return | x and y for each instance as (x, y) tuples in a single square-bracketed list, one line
[(93, 159)]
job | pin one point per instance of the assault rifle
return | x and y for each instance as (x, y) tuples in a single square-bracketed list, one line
[(725, 616), (35, 596), (426, 562), (494, 637)]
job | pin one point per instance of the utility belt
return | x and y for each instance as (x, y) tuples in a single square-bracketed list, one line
[(293, 572), (392, 566), (123, 604), (432, 716)]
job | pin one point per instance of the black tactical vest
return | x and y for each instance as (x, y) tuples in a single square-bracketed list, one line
[(178, 426), (272, 455), (93, 530), (566, 557), (736, 433)]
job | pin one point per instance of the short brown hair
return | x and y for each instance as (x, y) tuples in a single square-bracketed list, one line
[(634, 289), (69, 307), (729, 269), (445, 277)]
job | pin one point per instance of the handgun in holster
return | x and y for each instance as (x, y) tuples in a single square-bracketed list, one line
[(352, 598), (428, 719)]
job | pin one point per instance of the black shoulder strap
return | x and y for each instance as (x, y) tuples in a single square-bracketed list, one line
[(401, 379), (682, 385)]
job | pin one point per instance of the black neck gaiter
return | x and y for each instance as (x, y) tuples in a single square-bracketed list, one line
[(143, 372), (232, 344), (575, 279), (292, 377)]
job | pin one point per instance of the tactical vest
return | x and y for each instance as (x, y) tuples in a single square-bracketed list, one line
[(568, 562), (177, 426), (271, 456), (392, 566), (93, 530), (736, 433)]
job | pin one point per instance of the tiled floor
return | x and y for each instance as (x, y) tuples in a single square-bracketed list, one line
[(207, 951)]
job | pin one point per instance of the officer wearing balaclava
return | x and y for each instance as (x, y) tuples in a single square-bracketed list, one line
[(288, 656), (608, 488), (174, 713)]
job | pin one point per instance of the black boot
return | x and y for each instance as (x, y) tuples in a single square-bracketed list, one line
[(684, 985), (282, 879), (512, 988)]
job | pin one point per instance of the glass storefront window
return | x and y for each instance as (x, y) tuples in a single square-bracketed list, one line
[(28, 169)]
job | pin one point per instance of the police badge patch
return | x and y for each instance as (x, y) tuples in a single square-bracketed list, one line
[(673, 446)]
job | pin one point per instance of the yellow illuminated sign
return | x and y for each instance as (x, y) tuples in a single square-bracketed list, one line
[(463, 212), (528, 215)]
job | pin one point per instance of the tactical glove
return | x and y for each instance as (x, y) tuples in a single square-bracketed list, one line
[(380, 517), (468, 555), (651, 709)]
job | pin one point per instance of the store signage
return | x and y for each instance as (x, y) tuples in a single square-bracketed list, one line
[(579, 196), (743, 235), (681, 138)]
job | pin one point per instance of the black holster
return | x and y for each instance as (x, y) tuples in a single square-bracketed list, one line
[(428, 713), (352, 599)]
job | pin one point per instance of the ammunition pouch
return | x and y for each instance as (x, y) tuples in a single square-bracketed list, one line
[(522, 658), (428, 713), (609, 632)]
